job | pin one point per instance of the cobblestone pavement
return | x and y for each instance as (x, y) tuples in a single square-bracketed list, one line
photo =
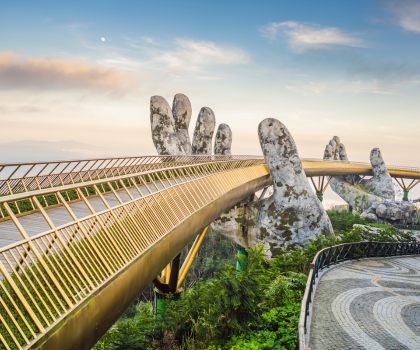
[(371, 304)]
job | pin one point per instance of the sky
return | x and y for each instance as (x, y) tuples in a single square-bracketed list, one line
[(85, 71)]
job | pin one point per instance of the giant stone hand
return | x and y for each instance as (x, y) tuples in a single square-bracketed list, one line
[(170, 127), (288, 218), (357, 192)]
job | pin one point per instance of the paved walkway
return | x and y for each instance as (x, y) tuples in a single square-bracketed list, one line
[(372, 304)]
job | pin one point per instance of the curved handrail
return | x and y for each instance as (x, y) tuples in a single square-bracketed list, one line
[(23, 177), (45, 277), (333, 254)]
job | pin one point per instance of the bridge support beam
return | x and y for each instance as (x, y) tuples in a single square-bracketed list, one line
[(172, 277), (320, 188), (405, 188)]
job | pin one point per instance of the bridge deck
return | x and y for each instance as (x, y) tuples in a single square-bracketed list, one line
[(34, 223), (370, 304)]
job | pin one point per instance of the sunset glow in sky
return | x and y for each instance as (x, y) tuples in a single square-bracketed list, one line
[(85, 71)]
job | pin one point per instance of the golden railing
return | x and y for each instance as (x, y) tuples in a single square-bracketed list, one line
[(45, 276), (23, 177), (391, 168)]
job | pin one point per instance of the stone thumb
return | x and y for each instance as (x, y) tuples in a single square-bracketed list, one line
[(378, 163), (280, 153)]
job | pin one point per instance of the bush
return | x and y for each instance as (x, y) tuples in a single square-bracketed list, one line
[(344, 220)]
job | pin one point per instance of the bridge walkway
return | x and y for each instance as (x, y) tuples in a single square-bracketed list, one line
[(34, 223), (368, 304)]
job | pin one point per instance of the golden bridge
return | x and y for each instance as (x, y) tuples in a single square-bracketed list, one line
[(81, 240)]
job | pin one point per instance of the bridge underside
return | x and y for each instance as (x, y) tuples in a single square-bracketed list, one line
[(89, 320)]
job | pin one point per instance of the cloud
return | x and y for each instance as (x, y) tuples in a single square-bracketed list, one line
[(20, 72), (148, 40), (406, 13), (196, 55), (309, 35)]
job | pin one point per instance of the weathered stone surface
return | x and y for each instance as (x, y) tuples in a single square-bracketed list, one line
[(292, 215), (181, 110), (381, 182), (162, 125), (203, 133), (223, 140), (392, 213), (357, 192), (287, 219)]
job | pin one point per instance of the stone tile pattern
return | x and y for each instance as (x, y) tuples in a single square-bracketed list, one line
[(351, 312)]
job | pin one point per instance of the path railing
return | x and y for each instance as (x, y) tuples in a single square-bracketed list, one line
[(339, 253)]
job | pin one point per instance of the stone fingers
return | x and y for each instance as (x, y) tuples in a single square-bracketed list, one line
[(332, 149), (181, 110), (203, 133), (223, 140), (342, 152), (162, 125)]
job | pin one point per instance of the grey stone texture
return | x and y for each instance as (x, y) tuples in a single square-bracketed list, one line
[(203, 132), (163, 130), (357, 192), (181, 110), (285, 220), (170, 129), (392, 213), (223, 140), (288, 218)]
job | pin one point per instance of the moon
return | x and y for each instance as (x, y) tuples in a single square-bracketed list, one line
[(103, 39)]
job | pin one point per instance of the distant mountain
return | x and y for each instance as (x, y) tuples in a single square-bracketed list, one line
[(33, 151)]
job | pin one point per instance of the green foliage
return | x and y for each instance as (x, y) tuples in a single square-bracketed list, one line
[(279, 331), (215, 251), (135, 330), (225, 309), (344, 220), (230, 310)]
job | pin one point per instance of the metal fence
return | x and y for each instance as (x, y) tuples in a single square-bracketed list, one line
[(343, 252), (43, 277), (23, 177)]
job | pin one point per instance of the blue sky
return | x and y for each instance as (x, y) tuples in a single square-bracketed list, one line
[(323, 68)]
